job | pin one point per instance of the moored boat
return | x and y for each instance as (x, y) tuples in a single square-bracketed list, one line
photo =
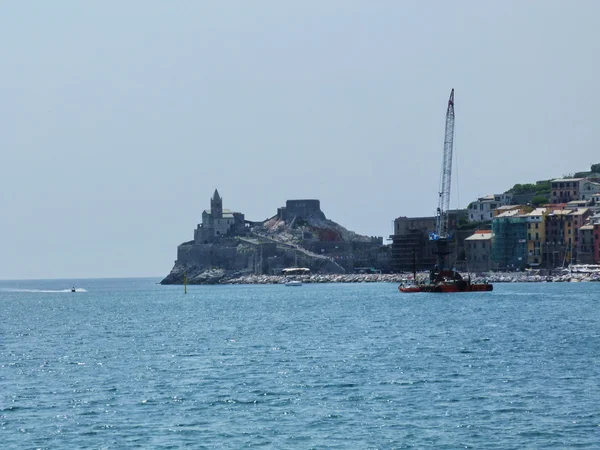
[(447, 281), (441, 279)]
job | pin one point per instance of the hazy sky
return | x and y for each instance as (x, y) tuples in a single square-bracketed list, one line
[(120, 118)]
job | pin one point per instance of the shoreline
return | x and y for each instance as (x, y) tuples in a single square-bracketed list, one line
[(517, 277)]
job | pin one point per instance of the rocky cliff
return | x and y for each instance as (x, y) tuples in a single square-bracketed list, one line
[(266, 248)]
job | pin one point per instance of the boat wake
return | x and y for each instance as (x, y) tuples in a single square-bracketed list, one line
[(41, 291)]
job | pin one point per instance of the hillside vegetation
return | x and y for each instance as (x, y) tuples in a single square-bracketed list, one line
[(541, 190)]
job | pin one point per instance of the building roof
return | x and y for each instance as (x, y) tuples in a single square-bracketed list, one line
[(560, 212), (481, 235), (227, 213), (566, 179), (507, 207), (578, 212), (577, 203), (586, 227), (511, 213), (537, 212)]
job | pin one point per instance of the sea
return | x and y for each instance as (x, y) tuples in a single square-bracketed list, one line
[(128, 363)]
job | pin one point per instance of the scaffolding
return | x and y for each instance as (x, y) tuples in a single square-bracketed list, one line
[(509, 243)]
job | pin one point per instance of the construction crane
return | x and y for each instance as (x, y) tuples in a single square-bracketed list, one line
[(442, 236)]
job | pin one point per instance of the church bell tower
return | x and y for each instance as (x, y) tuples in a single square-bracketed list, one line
[(216, 206)]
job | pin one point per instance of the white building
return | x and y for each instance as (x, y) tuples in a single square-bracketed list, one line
[(482, 209), (587, 189)]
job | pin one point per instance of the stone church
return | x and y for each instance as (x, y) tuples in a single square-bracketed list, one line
[(218, 222)]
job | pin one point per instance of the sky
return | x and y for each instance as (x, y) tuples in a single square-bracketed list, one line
[(119, 119)]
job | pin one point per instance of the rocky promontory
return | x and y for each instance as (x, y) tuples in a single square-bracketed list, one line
[(228, 247)]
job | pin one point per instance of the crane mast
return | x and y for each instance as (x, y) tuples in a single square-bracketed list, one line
[(441, 236), (444, 202)]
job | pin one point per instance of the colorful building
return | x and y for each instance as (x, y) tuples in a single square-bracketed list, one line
[(585, 249), (536, 236), (575, 220), (596, 243), (565, 189), (554, 250)]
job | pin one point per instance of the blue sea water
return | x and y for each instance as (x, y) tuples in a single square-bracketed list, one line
[(128, 363)]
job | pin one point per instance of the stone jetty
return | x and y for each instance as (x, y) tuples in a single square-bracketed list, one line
[(219, 277), (318, 278), (524, 277)]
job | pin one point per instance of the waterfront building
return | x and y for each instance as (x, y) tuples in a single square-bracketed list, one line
[(410, 241), (478, 249), (596, 243), (554, 252), (411, 245), (509, 241), (575, 220), (536, 236), (585, 249)]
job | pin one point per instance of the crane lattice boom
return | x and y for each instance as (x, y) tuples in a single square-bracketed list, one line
[(444, 204)]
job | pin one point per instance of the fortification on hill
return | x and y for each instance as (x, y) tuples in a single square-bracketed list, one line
[(227, 246)]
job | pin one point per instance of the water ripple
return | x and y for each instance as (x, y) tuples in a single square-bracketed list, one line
[(132, 365)]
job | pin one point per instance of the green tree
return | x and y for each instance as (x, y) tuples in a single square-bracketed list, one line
[(539, 200), (595, 168)]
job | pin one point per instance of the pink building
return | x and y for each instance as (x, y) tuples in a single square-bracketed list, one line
[(597, 243)]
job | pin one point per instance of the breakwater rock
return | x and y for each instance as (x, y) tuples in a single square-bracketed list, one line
[(318, 278), (520, 277), (219, 276)]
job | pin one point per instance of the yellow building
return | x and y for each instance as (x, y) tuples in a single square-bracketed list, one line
[(536, 236)]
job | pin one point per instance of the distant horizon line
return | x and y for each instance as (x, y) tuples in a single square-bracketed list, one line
[(82, 278)]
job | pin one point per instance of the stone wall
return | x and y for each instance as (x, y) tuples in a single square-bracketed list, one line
[(208, 256), (300, 209)]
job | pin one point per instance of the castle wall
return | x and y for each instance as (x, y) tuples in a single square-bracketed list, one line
[(302, 209), (207, 256)]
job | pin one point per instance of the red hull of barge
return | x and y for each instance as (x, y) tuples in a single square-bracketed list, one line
[(447, 288)]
